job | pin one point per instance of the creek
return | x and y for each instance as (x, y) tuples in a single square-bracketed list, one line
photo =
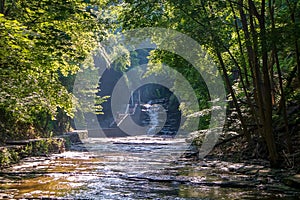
[(142, 167)]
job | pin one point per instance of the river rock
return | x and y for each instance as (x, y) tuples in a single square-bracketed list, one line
[(76, 136), (293, 181)]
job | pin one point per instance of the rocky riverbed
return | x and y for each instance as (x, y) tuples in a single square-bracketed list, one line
[(140, 168)]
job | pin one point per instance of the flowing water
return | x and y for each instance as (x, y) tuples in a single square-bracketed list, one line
[(137, 168), (154, 120)]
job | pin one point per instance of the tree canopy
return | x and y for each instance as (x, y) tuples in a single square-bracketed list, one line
[(43, 43), (256, 46)]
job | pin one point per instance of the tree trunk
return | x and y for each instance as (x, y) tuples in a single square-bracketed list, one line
[(257, 79), (244, 66), (282, 102), (234, 99), (245, 86), (267, 98)]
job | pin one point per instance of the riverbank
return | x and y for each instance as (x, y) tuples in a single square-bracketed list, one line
[(14, 151)]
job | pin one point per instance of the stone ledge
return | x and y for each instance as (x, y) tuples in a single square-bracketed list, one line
[(13, 151), (75, 136)]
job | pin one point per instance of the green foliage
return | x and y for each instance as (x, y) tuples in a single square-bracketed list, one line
[(11, 155), (4, 157), (26, 151), (256, 44), (44, 43), (42, 46), (8, 156), (168, 15)]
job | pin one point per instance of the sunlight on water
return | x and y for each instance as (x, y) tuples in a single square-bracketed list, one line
[(123, 168)]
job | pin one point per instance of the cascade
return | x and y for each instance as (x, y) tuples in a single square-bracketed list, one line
[(153, 119)]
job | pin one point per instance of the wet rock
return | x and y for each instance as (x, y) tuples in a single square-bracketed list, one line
[(225, 169), (293, 181), (116, 173), (234, 167), (76, 136), (264, 172)]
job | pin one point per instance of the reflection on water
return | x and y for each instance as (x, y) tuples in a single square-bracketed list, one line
[(48, 177), (130, 168)]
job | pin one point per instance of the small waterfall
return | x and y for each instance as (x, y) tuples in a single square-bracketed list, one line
[(154, 121), (159, 120)]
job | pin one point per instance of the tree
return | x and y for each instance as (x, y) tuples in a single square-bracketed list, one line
[(251, 42), (40, 43)]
